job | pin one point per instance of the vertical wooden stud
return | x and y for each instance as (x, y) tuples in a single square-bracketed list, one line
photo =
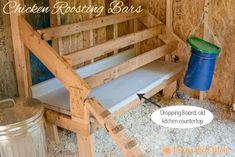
[(203, 94), (88, 38), (136, 46), (21, 56), (80, 114), (131, 22), (77, 103), (86, 146), (51, 129), (55, 21), (100, 33), (115, 32), (171, 89), (206, 32), (136, 25), (52, 132), (169, 21)]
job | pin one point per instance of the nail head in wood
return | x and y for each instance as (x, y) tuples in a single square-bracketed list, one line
[(131, 144), (105, 114), (117, 129)]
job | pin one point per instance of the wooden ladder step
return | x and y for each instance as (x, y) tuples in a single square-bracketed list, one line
[(129, 147)]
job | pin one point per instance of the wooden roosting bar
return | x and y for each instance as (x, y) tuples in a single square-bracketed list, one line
[(80, 99)]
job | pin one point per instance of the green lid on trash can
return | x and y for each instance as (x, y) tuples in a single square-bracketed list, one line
[(203, 46)]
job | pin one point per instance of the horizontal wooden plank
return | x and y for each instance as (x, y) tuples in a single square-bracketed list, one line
[(66, 122), (130, 65), (111, 45), (66, 30), (50, 58), (128, 146)]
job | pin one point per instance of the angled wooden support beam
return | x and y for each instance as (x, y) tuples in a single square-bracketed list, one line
[(50, 58), (70, 29), (66, 122), (169, 36), (150, 21), (111, 45), (132, 64), (116, 131)]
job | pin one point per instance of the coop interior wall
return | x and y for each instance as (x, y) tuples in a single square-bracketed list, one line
[(8, 86), (187, 16), (187, 20)]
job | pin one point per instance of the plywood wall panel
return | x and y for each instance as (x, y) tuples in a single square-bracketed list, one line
[(8, 85), (187, 20), (156, 7), (99, 34), (222, 32), (187, 15), (74, 42)]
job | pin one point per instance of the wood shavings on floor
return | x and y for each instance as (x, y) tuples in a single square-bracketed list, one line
[(152, 138)]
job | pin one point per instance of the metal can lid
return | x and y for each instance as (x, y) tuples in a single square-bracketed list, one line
[(203, 46), (18, 110)]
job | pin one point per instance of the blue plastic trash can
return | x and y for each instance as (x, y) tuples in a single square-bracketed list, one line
[(201, 65)]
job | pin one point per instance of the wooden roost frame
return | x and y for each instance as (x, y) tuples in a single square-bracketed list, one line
[(79, 100)]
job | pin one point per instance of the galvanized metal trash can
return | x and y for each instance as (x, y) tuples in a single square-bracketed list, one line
[(22, 131)]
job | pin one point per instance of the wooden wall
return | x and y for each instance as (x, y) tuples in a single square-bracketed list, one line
[(187, 20), (222, 24), (8, 87), (86, 39), (81, 40), (70, 43), (39, 72), (187, 16)]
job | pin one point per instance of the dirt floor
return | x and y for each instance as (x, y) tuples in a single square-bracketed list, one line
[(218, 136)]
